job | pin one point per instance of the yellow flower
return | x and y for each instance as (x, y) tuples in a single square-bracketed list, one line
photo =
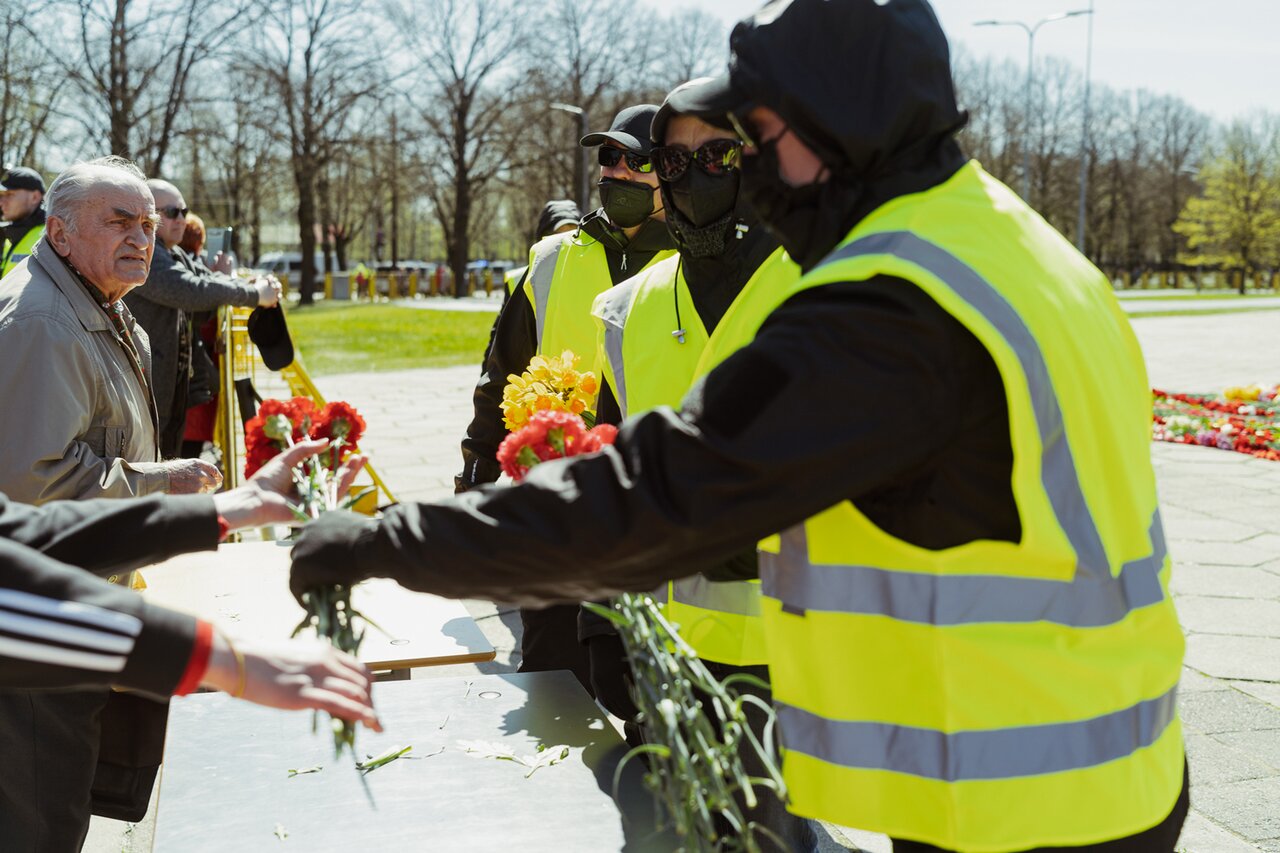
[(549, 383)]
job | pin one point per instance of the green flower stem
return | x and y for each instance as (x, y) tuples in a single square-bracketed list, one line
[(698, 732)]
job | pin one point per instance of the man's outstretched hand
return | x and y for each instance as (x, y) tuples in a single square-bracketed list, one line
[(265, 498), (328, 551)]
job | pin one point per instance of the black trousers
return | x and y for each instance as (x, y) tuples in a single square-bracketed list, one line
[(48, 754), (550, 642), (1160, 838)]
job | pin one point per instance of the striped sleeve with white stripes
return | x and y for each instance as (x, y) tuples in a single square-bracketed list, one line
[(65, 633), (62, 627)]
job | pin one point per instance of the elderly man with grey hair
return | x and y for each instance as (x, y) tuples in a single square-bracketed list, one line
[(79, 419), (176, 287)]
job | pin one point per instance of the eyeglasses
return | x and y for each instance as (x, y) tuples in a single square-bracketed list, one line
[(175, 212), (610, 157), (715, 158)]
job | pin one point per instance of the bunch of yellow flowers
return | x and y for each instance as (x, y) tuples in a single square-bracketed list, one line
[(550, 383)]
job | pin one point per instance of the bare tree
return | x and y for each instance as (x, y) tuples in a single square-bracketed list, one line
[(466, 48), (315, 81), (695, 44), (30, 86), (132, 64)]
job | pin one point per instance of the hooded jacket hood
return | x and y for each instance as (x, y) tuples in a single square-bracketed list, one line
[(870, 92)]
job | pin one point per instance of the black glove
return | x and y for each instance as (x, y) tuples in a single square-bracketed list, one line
[(611, 675), (329, 549)]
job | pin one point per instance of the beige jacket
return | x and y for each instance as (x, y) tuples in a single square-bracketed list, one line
[(75, 419)]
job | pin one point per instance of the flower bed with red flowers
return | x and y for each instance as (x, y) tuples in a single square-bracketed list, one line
[(1244, 422)]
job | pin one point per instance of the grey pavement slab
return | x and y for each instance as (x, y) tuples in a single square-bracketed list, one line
[(1266, 691), (1250, 807), (1226, 657), (1244, 617), (1201, 835), (1214, 711), (1216, 762)]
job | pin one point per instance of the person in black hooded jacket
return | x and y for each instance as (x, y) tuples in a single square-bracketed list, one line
[(852, 110)]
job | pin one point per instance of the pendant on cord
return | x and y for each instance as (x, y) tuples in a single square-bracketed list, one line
[(678, 334)]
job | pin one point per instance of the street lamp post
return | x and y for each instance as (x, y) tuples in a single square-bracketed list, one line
[(1030, 30), (1084, 135), (582, 169)]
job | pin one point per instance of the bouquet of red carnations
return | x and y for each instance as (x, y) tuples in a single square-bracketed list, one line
[(279, 425)]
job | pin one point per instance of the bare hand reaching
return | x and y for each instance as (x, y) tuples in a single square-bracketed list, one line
[(268, 292), (265, 498), (192, 477), (294, 674)]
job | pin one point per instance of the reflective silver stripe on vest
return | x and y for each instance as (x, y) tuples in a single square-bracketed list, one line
[(1084, 602), (970, 755), (541, 275), (1092, 598), (614, 307), (737, 597)]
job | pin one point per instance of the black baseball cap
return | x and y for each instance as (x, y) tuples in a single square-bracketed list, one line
[(556, 214), (709, 98), (270, 334), (630, 129), (21, 178)]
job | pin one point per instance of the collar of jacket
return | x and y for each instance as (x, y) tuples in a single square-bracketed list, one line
[(716, 281), (88, 312), (652, 236), (15, 231)]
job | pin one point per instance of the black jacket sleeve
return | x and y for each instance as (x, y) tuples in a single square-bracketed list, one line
[(175, 284), (109, 536), (745, 457), (513, 344), (61, 627)]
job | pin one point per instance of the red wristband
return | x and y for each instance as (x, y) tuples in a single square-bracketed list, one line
[(198, 664), (223, 529)]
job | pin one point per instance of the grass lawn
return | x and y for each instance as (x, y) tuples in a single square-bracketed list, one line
[(1191, 294), (1174, 312), (350, 338)]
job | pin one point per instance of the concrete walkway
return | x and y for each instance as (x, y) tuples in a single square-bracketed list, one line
[(1221, 512)]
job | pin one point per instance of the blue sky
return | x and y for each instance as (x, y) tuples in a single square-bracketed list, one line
[(1221, 56)]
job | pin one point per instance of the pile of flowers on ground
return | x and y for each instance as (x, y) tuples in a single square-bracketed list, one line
[(1243, 419)]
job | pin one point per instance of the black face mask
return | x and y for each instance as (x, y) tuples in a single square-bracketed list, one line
[(700, 211), (626, 203), (805, 219)]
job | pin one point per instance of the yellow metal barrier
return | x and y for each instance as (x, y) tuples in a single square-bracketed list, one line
[(240, 361)]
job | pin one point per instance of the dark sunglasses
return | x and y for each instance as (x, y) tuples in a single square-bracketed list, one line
[(609, 157), (175, 212), (715, 158)]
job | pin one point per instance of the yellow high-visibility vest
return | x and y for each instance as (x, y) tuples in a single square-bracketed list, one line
[(15, 254), (567, 272), (649, 359), (993, 696)]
